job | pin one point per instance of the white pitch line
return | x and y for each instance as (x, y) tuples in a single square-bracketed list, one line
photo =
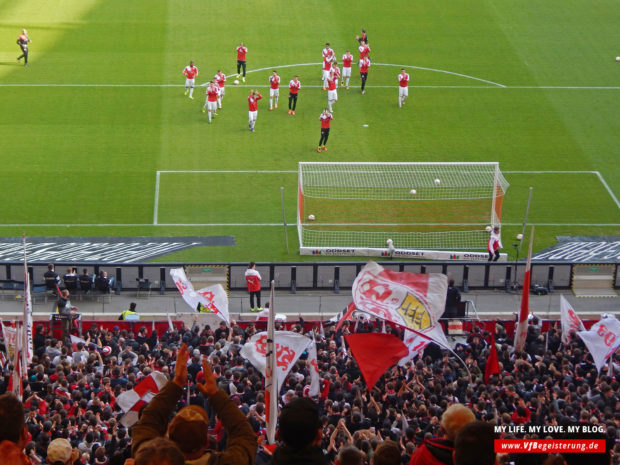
[(608, 188), (227, 171), (290, 225)]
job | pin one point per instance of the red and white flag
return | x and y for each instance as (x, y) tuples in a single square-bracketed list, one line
[(571, 323), (28, 342), (289, 347), (602, 339), (212, 298), (416, 342), (10, 339), (15, 380), (412, 300), (75, 341), (132, 401)]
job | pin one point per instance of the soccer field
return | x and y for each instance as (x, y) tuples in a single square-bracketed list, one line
[(98, 138)]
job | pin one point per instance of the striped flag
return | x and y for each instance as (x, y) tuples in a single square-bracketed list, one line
[(28, 345), (132, 401), (525, 300)]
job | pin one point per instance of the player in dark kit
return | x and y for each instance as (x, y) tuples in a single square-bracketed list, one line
[(325, 119), (23, 41)]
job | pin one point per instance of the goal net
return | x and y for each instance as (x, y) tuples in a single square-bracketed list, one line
[(440, 206)]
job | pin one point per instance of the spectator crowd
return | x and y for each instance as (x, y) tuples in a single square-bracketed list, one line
[(430, 411)]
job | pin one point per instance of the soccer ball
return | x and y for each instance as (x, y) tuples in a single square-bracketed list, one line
[(488, 229), (389, 242), (437, 182), (236, 82), (519, 236), (311, 217), (413, 192)]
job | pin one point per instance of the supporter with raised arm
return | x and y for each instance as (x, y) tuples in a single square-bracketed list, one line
[(190, 426)]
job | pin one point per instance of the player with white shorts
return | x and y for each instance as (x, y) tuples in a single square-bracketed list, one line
[(220, 79), (328, 57), (253, 99), (403, 89), (274, 90), (190, 73), (347, 60), (211, 103), (332, 86)]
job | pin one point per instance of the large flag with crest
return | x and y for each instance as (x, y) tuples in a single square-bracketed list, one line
[(415, 301), (571, 323), (602, 339)]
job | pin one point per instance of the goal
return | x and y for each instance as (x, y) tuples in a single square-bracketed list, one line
[(440, 206)]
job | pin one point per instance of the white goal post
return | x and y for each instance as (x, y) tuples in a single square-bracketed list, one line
[(436, 209)]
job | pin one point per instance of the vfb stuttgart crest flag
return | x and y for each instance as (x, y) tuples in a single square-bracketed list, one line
[(413, 300)]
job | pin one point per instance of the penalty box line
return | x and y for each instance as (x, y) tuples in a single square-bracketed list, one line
[(158, 174)]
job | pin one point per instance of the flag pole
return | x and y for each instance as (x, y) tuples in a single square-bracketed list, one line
[(525, 300), (271, 393), (284, 218), (27, 321)]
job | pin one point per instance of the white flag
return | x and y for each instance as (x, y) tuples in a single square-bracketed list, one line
[(212, 298), (289, 347), (28, 343), (571, 323), (416, 343), (314, 370), (602, 339), (10, 340)]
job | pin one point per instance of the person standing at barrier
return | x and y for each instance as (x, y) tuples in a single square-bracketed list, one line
[(252, 278), (494, 244), (130, 314)]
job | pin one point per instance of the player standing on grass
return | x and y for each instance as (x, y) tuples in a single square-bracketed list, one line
[(274, 90), (325, 119), (494, 244), (253, 99), (328, 57), (332, 86), (347, 59), (293, 91), (403, 90), (23, 42), (220, 79), (363, 37), (241, 51), (364, 50), (190, 72), (211, 102), (364, 65)]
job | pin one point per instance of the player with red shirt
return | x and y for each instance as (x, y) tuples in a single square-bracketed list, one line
[(347, 60), (211, 102), (190, 72), (325, 119), (364, 50), (332, 86), (293, 91), (274, 90), (241, 51), (220, 80), (328, 57), (364, 65), (403, 89), (253, 99), (252, 278)]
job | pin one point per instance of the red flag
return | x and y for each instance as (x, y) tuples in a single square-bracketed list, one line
[(492, 366), (375, 353), (348, 314), (525, 300)]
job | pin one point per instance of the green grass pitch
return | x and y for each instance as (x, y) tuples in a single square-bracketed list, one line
[(85, 129)]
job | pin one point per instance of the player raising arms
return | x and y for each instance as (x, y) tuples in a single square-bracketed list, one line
[(347, 59), (364, 50), (403, 90), (328, 57), (253, 99), (332, 86), (23, 42), (325, 118), (363, 37), (241, 51), (220, 80), (364, 65), (190, 72), (211, 102), (274, 90), (293, 90)]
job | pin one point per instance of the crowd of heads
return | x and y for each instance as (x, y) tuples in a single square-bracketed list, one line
[(70, 394)]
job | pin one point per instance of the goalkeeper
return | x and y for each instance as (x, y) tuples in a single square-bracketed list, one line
[(494, 244)]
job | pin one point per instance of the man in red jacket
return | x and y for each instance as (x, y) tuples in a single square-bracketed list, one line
[(438, 451), (252, 278)]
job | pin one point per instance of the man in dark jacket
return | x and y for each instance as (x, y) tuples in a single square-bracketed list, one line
[(190, 426), (439, 451)]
